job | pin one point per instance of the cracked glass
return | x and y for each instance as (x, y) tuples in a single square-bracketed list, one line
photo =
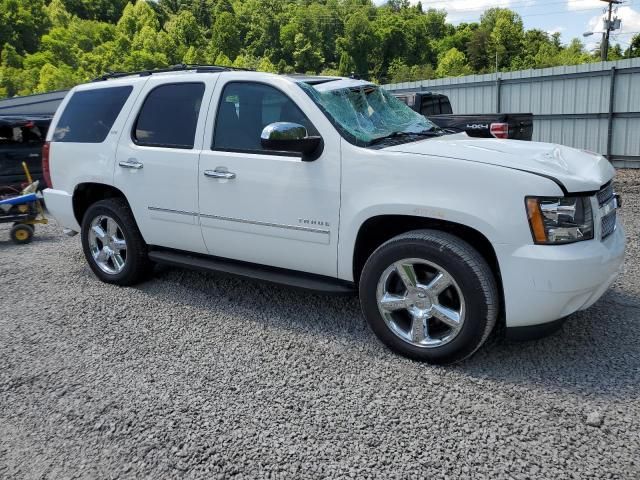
[(365, 113)]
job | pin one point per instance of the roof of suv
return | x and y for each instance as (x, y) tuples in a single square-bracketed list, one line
[(179, 69)]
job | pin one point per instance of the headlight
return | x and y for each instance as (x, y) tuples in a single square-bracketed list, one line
[(560, 220)]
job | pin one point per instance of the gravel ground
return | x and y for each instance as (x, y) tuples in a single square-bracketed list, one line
[(193, 375)]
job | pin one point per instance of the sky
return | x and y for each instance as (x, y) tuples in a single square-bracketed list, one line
[(569, 17)]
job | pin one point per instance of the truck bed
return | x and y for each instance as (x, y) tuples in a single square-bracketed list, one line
[(437, 108), (520, 124)]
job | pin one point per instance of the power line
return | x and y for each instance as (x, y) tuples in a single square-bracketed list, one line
[(337, 18), (558, 12), (442, 5)]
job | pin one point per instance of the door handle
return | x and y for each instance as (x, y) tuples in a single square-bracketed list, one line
[(220, 173), (131, 163)]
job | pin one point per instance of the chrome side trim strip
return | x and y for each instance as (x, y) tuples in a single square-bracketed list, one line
[(168, 210), (243, 220), (267, 224)]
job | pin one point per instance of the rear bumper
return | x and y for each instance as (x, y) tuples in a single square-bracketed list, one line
[(60, 206), (545, 283)]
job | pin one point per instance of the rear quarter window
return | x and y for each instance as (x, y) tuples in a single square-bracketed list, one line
[(90, 114), (169, 116)]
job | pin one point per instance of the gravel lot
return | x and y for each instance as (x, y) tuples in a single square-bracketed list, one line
[(193, 375)]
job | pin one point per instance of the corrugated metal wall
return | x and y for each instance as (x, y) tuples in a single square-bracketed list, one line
[(572, 105)]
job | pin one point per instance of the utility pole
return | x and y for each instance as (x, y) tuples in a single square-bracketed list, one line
[(604, 47)]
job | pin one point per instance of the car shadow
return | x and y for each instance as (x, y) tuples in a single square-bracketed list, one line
[(595, 352)]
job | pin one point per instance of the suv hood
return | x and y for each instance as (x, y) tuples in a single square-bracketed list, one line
[(575, 170)]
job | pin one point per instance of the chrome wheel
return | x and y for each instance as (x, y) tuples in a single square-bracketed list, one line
[(107, 244), (421, 303)]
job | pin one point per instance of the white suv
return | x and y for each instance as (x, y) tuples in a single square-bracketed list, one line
[(331, 184)]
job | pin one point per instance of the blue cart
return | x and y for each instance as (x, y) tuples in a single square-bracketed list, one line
[(24, 211)]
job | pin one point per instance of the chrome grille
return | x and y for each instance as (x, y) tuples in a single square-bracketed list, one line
[(605, 194), (608, 209), (609, 224)]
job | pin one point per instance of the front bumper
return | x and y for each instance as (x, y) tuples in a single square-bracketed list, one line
[(544, 283)]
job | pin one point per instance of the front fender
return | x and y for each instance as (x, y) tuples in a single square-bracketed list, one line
[(489, 199)]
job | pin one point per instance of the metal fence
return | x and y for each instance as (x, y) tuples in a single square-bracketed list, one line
[(594, 106)]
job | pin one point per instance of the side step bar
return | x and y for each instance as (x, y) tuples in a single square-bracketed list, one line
[(305, 281)]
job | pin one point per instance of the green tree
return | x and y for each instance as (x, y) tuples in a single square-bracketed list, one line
[(57, 43), (10, 71), (453, 64), (307, 56), (265, 65), (507, 37), (634, 47), (185, 39), (419, 48), (259, 24), (358, 41), (101, 10), (478, 50), (22, 23), (136, 17), (346, 66), (391, 40), (435, 23), (399, 71), (534, 42), (55, 78), (301, 43), (58, 14), (225, 36)]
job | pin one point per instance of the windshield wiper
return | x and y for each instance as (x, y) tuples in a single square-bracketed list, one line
[(432, 132)]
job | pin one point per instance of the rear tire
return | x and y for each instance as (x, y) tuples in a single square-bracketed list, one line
[(429, 296), (112, 243)]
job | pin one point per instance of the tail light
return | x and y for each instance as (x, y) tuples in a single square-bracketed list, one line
[(500, 130), (46, 172)]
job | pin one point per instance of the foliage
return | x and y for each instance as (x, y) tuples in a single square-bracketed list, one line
[(54, 44), (453, 63), (634, 47)]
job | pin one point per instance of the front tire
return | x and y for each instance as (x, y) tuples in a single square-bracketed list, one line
[(112, 243), (429, 296), (22, 233)]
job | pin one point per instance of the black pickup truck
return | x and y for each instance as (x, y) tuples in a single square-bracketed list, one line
[(21, 139), (437, 108)]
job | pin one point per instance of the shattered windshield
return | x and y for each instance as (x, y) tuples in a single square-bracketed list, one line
[(365, 113)]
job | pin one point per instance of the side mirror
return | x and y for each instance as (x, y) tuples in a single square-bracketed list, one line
[(291, 137)]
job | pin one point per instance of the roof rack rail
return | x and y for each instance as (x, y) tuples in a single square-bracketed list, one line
[(174, 68)]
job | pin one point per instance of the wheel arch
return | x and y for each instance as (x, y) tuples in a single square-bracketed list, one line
[(88, 193), (378, 229)]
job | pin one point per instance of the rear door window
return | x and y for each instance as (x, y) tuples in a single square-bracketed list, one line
[(169, 116), (90, 114)]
